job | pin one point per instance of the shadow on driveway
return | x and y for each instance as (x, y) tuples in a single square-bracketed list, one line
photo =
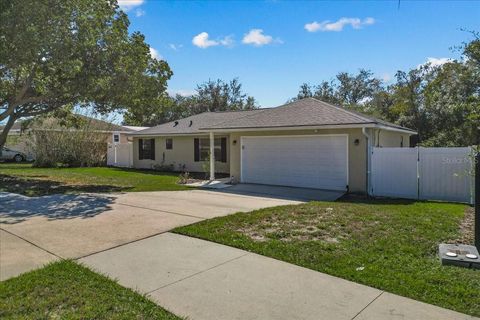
[(15, 208)]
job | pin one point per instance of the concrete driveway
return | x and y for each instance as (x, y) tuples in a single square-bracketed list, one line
[(42, 229)]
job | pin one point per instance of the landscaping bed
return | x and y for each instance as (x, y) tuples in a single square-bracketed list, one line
[(66, 290), (387, 244), (27, 180)]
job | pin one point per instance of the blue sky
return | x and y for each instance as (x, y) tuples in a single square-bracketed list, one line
[(299, 41)]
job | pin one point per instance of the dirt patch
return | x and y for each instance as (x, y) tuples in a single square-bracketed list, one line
[(466, 228), (326, 224)]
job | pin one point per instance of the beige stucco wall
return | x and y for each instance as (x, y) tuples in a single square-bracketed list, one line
[(182, 153), (357, 154), (389, 139)]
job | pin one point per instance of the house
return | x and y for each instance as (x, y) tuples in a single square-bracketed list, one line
[(22, 132), (307, 143)]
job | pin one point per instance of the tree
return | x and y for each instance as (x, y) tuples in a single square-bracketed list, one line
[(354, 89), (211, 96), (62, 53), (222, 96), (349, 90)]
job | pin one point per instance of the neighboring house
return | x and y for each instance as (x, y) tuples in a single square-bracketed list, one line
[(306, 143), (18, 137)]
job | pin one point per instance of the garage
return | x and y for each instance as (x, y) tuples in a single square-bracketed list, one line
[(318, 161)]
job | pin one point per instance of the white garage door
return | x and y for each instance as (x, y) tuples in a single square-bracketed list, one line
[(301, 161)]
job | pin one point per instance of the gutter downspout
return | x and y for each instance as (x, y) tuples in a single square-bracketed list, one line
[(369, 158)]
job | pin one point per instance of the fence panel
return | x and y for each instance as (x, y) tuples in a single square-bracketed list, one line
[(394, 172), (446, 174), (120, 155)]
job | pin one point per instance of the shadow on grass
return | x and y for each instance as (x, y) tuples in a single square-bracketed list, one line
[(360, 198), (194, 175), (40, 187)]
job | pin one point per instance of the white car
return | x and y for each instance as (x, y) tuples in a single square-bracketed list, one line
[(7, 154)]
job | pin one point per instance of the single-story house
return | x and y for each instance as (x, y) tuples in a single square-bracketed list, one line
[(22, 132), (306, 143)]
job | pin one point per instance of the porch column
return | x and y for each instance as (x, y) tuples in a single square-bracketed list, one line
[(212, 157)]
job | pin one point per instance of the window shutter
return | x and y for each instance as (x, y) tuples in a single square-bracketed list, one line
[(223, 150), (140, 149), (196, 149), (152, 149)]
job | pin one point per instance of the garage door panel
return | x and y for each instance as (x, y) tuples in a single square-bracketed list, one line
[(303, 161)]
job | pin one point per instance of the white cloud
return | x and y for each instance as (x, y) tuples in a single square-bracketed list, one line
[(154, 53), (257, 38), (386, 77), (182, 92), (203, 41), (327, 25), (139, 12), (174, 46), (126, 5), (435, 62)]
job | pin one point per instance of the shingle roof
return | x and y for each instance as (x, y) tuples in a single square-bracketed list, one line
[(305, 112), (96, 124), (192, 124), (300, 113)]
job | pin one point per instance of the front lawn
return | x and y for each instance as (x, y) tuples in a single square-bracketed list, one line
[(30, 181), (389, 245), (66, 290)]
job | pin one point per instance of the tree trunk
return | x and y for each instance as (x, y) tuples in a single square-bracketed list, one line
[(6, 130)]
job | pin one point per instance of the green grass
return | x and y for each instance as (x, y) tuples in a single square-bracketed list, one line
[(66, 290), (389, 245), (30, 181)]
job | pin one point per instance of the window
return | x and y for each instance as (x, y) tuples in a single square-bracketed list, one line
[(146, 149), (202, 149), (116, 138), (169, 143)]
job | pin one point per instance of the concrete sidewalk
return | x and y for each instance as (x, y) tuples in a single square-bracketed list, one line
[(205, 280)]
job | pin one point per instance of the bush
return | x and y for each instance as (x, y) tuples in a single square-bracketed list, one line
[(79, 145)]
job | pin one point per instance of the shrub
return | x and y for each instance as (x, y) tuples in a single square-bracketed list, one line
[(57, 143)]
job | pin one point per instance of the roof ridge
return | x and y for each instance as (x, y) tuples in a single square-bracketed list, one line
[(225, 111), (262, 110), (359, 116)]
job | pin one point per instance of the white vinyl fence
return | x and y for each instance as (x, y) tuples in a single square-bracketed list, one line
[(120, 155), (423, 173)]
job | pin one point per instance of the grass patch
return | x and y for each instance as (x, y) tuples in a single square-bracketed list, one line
[(389, 245), (27, 180), (66, 290)]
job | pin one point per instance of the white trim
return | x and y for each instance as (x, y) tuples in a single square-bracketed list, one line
[(212, 156), (205, 131), (320, 127), (383, 127), (201, 134), (346, 135)]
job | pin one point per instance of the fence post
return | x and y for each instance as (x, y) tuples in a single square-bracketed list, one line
[(418, 172), (477, 200)]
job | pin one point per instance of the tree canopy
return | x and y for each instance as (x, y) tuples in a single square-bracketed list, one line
[(59, 53), (441, 102), (213, 95)]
